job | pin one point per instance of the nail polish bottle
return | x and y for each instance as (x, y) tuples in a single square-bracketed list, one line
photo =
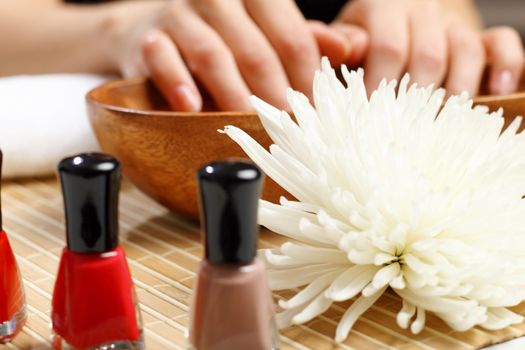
[(94, 302), (232, 304), (12, 299)]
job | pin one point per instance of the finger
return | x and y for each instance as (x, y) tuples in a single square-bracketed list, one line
[(505, 52), (287, 31), (331, 43), (167, 70), (257, 61), (467, 61), (387, 26), (357, 39), (428, 52), (207, 57)]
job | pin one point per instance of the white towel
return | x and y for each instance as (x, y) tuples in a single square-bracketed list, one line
[(43, 118)]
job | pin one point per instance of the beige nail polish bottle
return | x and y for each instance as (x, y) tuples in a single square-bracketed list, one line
[(232, 306)]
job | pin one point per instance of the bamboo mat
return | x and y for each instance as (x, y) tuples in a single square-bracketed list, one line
[(163, 253)]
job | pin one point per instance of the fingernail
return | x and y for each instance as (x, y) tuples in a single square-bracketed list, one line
[(186, 99), (503, 83), (346, 45), (357, 45)]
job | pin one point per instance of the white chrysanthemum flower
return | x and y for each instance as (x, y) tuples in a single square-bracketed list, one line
[(394, 192)]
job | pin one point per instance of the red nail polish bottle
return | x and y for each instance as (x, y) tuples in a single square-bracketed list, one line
[(12, 300), (232, 306), (94, 301)]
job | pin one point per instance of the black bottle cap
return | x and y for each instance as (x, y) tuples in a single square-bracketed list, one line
[(229, 194), (90, 185)]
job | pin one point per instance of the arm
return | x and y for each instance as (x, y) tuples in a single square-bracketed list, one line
[(82, 38), (268, 47)]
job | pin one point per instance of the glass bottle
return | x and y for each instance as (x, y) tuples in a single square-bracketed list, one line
[(12, 298), (232, 304), (94, 302)]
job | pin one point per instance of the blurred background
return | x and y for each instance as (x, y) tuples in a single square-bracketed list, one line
[(504, 12)]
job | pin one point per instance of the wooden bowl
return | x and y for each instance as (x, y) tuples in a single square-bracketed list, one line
[(161, 150)]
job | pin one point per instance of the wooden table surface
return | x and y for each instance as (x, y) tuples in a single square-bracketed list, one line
[(163, 253)]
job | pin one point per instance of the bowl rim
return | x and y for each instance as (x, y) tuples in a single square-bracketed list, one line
[(111, 84), (92, 99), (495, 98)]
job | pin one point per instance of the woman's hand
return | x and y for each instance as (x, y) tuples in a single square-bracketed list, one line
[(435, 45), (505, 53), (232, 48)]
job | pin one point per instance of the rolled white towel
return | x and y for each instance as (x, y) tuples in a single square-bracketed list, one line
[(43, 118)]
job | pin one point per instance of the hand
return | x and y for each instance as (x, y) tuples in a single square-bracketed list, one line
[(505, 53), (434, 45), (233, 48)]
